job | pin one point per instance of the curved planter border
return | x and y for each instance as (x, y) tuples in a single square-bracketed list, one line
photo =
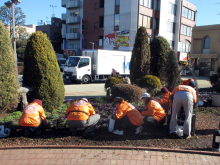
[(112, 147)]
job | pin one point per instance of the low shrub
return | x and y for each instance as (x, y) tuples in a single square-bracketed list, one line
[(150, 83), (130, 93), (215, 81), (111, 81)]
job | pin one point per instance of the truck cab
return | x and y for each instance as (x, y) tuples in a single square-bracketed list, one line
[(78, 68)]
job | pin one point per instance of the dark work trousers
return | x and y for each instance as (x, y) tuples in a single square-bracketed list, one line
[(151, 121), (124, 121), (33, 129)]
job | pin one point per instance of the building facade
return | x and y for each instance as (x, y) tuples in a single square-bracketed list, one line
[(72, 27), (53, 32), (205, 50), (113, 24)]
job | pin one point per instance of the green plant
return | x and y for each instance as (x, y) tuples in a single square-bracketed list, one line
[(160, 49), (140, 60), (172, 70), (150, 83), (101, 100), (8, 76), (41, 71), (128, 92), (111, 81), (13, 116)]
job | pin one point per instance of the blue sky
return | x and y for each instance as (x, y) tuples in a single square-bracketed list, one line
[(36, 10)]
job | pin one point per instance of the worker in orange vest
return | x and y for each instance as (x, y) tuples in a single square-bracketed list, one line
[(154, 113), (186, 82), (165, 102), (80, 114), (126, 115), (32, 117), (183, 95)]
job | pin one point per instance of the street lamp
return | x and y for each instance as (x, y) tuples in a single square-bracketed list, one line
[(92, 44), (11, 4)]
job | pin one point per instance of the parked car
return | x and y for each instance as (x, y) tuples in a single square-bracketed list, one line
[(61, 62)]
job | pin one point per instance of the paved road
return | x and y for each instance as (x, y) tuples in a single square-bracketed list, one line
[(102, 156), (97, 89)]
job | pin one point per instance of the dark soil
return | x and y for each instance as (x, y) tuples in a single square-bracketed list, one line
[(207, 122)]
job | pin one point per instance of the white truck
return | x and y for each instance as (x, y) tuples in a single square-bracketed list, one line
[(96, 65)]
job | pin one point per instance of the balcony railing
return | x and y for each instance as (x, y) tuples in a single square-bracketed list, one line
[(63, 31), (72, 36), (63, 3), (71, 20), (73, 4), (63, 16), (61, 46)]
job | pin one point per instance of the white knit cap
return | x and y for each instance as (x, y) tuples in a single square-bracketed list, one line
[(84, 99), (145, 95)]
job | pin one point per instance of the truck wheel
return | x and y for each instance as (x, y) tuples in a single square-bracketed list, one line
[(85, 79)]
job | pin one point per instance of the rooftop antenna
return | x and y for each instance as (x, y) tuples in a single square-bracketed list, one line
[(53, 6), (40, 22)]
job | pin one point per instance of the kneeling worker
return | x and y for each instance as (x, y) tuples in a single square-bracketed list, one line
[(126, 115), (81, 114), (32, 117), (155, 114)]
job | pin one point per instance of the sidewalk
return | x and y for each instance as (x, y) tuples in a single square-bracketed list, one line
[(102, 156)]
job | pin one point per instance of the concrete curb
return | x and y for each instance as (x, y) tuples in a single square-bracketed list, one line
[(112, 147)]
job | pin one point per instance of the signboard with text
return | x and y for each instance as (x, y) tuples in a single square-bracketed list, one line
[(183, 57), (68, 52), (116, 39)]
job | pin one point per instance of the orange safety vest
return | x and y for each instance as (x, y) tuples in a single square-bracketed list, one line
[(186, 88), (186, 82), (166, 99), (31, 115), (154, 109), (80, 110), (133, 114)]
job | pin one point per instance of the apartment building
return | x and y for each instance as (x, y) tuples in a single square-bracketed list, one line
[(113, 24), (72, 27), (53, 32)]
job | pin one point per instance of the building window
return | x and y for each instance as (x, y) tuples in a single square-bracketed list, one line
[(116, 21), (74, 14), (184, 46), (95, 44), (171, 42), (56, 23), (157, 23), (207, 43), (73, 30), (117, 6), (145, 21), (101, 21), (186, 30), (96, 6), (95, 24), (172, 8), (171, 26), (100, 41), (158, 5), (146, 3), (101, 4), (189, 14)]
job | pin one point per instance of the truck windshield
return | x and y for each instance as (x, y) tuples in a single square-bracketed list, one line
[(62, 61), (72, 61)]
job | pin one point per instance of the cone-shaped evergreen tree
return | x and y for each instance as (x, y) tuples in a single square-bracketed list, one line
[(42, 72), (8, 75), (140, 60), (160, 49), (172, 71)]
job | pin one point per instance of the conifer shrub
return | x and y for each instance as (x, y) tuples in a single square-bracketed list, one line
[(150, 83), (129, 92), (160, 49), (140, 59), (41, 71), (172, 70), (8, 78), (111, 81)]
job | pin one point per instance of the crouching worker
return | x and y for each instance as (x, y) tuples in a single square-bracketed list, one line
[(33, 116), (165, 102), (81, 114), (126, 115), (154, 114)]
